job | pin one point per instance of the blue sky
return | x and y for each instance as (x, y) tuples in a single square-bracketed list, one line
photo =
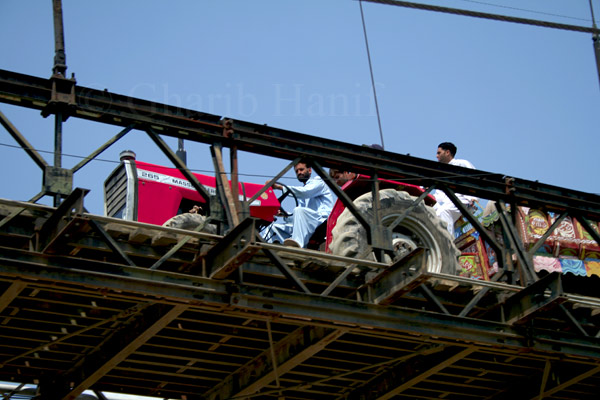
[(518, 100)]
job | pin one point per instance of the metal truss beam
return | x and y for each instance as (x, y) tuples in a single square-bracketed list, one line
[(528, 274), (61, 220), (101, 149), (400, 278), (111, 108), (477, 225), (475, 300), (309, 308), (160, 143), (110, 242), (67, 218), (593, 233), (179, 245), (108, 276), (228, 202), (540, 242), (19, 138), (283, 268), (520, 307), (123, 341), (11, 293), (546, 390), (358, 314), (225, 257), (288, 353), (556, 377), (407, 374)]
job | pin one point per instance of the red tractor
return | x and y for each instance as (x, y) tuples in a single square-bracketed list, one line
[(154, 194), (160, 195)]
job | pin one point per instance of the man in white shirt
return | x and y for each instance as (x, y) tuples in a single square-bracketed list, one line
[(315, 204), (444, 208)]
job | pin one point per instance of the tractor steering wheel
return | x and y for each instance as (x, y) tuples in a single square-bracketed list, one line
[(285, 194)]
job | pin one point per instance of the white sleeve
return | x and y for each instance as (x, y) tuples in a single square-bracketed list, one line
[(462, 163), (313, 188)]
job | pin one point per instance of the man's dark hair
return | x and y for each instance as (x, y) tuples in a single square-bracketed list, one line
[(448, 146), (305, 162)]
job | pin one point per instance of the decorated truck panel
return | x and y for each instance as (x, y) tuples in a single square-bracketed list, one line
[(568, 249)]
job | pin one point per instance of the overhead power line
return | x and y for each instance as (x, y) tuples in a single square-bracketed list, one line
[(496, 17), (524, 10), (362, 16), (205, 171)]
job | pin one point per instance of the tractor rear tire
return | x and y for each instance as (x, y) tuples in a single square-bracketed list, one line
[(420, 228)]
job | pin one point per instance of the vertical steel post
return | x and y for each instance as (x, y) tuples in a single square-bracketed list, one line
[(379, 239), (60, 68), (181, 153), (235, 182), (60, 57), (57, 148)]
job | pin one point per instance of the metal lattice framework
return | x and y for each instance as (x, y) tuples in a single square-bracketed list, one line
[(95, 303)]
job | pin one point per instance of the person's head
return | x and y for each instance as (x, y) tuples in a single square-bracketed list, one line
[(341, 177), (337, 175), (303, 171), (445, 152)]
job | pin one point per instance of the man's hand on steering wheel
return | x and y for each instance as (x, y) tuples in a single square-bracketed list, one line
[(286, 191)]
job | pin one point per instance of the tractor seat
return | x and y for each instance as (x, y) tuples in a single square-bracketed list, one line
[(318, 237)]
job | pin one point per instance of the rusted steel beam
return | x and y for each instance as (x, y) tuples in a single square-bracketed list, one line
[(522, 306), (60, 58), (178, 164), (289, 352), (115, 109), (230, 203), (400, 278), (123, 341), (53, 228), (22, 141), (100, 149), (525, 259), (11, 293), (130, 282), (404, 376), (225, 257), (110, 242)]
